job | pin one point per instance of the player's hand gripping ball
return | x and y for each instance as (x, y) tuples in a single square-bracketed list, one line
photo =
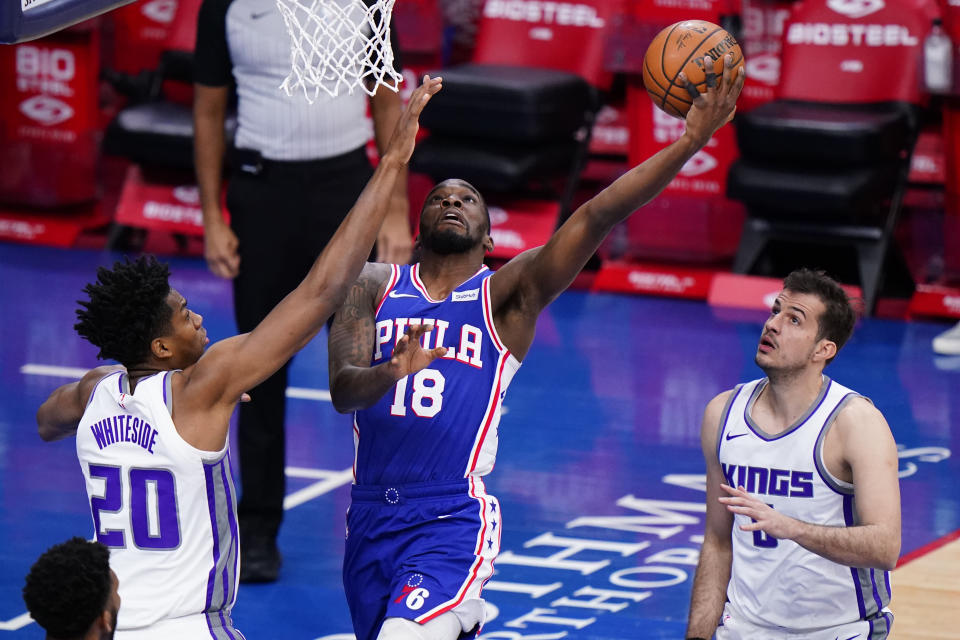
[(682, 47)]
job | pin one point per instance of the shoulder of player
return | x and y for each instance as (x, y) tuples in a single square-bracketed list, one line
[(202, 383), (370, 285), (714, 409), (712, 414), (859, 416), (92, 378), (505, 281)]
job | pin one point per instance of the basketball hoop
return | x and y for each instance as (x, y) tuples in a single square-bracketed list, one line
[(338, 44)]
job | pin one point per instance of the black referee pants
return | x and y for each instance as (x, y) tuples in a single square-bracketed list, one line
[(283, 217)]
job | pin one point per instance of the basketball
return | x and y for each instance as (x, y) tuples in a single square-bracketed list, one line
[(682, 47)]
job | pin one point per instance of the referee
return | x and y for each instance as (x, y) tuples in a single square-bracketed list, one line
[(296, 171)]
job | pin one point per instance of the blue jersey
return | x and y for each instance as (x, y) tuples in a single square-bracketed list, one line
[(440, 423)]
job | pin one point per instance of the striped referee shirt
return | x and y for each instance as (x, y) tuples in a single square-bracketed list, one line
[(248, 40)]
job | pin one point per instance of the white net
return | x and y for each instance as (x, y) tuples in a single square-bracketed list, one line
[(339, 44)]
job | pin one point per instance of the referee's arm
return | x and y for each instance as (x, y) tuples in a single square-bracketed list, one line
[(212, 80)]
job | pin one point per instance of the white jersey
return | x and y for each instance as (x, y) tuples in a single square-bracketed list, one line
[(166, 510), (778, 583)]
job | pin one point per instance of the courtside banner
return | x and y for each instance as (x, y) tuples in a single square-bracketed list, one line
[(752, 292), (654, 279), (935, 300), (516, 226), (49, 230), (166, 207)]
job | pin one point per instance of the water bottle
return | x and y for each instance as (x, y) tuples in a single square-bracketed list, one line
[(938, 59)]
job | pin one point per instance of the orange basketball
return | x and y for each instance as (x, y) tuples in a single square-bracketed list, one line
[(681, 47)]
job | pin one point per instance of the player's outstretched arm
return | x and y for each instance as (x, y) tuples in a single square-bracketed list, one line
[(542, 274), (716, 555), (59, 415), (868, 449), (354, 383), (235, 365)]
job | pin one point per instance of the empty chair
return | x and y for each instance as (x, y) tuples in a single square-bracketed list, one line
[(826, 164)]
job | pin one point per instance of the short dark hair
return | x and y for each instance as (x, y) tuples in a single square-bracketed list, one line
[(839, 316), (68, 587), (126, 310)]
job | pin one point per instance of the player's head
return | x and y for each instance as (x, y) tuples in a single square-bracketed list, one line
[(454, 219), (135, 318), (810, 320), (71, 591)]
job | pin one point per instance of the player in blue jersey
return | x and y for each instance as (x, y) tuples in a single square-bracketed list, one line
[(803, 500), (424, 355)]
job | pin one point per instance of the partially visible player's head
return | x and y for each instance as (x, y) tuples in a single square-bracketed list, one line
[(135, 318), (810, 321), (454, 219), (72, 593)]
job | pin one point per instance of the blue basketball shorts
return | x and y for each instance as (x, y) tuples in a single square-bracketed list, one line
[(417, 551)]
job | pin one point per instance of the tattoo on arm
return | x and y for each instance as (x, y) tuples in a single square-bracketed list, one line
[(351, 336)]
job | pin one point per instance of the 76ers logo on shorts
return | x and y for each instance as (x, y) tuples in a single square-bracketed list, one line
[(414, 594)]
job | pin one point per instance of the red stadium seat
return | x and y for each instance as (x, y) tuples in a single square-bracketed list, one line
[(518, 117), (826, 163)]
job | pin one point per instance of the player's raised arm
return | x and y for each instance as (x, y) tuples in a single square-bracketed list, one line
[(240, 363), (542, 274), (716, 555)]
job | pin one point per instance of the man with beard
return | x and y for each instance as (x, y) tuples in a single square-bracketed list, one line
[(424, 355), (807, 471), (152, 435), (71, 591)]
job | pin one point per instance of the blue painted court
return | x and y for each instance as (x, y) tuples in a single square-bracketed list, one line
[(599, 473)]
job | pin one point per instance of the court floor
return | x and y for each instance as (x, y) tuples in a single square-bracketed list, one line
[(599, 475)]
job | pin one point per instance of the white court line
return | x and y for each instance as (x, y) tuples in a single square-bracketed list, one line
[(299, 393), (303, 393), (17, 623), (327, 482), (50, 370)]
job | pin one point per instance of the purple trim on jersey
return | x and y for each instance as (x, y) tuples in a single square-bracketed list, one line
[(212, 507), (848, 520), (876, 592), (120, 383), (227, 584), (726, 415), (228, 594), (234, 532), (818, 448), (223, 623), (208, 471), (99, 382), (768, 438)]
